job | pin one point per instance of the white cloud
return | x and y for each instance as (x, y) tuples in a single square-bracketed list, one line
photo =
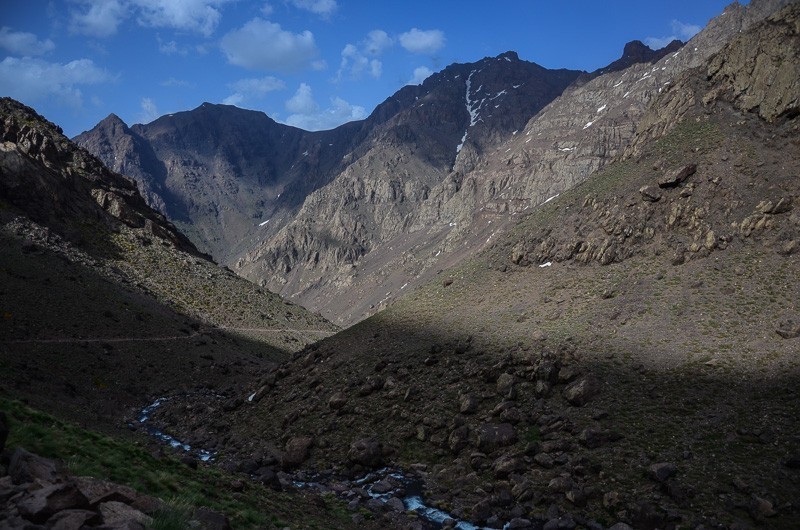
[(303, 101), (263, 45), (323, 8), (356, 59), (176, 83), (248, 89), (422, 41), (101, 18), (149, 111), (307, 114), (680, 31), (201, 16), (23, 43), (421, 73), (31, 80), (170, 48), (377, 42), (267, 10)]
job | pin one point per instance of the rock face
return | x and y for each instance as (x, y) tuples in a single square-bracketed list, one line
[(64, 187)]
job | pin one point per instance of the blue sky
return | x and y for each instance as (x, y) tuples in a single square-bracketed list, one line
[(313, 64)]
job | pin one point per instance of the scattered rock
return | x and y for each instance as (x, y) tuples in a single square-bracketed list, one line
[(662, 471), (41, 504), (467, 403), (675, 177), (366, 451), (779, 206), (458, 439), (761, 508), (505, 384), (650, 193), (788, 329), (494, 435), (337, 401), (582, 390), (118, 512), (297, 451)]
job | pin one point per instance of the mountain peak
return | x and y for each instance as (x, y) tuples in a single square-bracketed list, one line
[(508, 56)]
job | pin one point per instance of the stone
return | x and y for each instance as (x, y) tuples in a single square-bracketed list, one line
[(73, 519), (544, 460), (662, 471), (506, 465), (505, 384), (593, 437), (395, 505), (675, 177), (494, 435), (621, 526), (467, 404), (115, 512), (270, 479), (337, 401), (27, 467), (542, 388), (297, 451), (518, 523), (788, 329), (761, 508), (561, 484), (99, 491), (39, 505), (582, 390), (650, 193), (611, 500), (458, 439), (779, 206), (366, 451)]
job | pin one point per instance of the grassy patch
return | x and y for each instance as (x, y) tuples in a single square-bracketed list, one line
[(184, 489)]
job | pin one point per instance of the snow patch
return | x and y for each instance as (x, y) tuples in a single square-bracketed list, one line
[(548, 264), (265, 222), (589, 124), (601, 109), (461, 145), (551, 198)]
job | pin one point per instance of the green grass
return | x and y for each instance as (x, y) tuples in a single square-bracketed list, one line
[(184, 489)]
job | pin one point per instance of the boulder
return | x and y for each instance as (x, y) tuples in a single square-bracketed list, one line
[(337, 401), (39, 505), (73, 519), (582, 390), (118, 513), (675, 177), (458, 439), (650, 193), (662, 471), (27, 467), (298, 449), (467, 403), (366, 451), (505, 384), (494, 435), (788, 329)]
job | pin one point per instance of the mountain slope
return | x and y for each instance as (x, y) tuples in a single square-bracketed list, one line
[(642, 388), (97, 289)]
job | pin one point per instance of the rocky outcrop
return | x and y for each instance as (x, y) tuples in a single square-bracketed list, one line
[(36, 493), (57, 183)]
